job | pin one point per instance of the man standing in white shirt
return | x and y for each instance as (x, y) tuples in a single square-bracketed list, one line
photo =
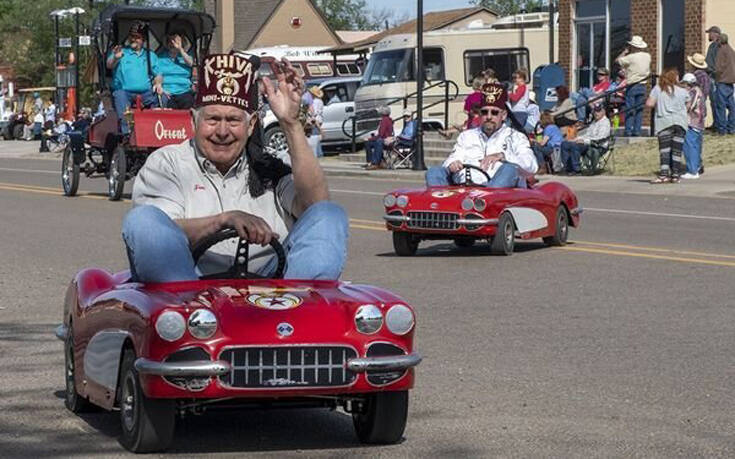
[(504, 153)]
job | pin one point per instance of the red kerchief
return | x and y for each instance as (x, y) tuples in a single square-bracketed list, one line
[(228, 79)]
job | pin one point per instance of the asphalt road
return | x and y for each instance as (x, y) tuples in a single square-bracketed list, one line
[(618, 345)]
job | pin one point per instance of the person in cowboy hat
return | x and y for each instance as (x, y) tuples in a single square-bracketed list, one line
[(316, 118), (223, 178), (705, 83), (636, 63), (503, 152)]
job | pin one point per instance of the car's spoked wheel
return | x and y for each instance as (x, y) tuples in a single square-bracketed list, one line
[(405, 244), (562, 229), (383, 418), (118, 169), (147, 424), (276, 139), (69, 173), (504, 240), (73, 401)]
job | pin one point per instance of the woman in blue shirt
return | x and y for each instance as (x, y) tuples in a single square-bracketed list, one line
[(174, 63)]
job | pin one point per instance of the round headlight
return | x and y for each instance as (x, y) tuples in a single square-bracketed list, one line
[(399, 319), (202, 323), (389, 200), (467, 204), (480, 204), (402, 201), (368, 319), (170, 325)]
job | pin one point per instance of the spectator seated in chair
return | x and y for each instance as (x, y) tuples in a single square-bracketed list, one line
[(589, 142), (377, 141), (551, 139)]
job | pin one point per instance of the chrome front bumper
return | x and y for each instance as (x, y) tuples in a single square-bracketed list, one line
[(220, 367), (387, 363), (198, 368), (459, 221)]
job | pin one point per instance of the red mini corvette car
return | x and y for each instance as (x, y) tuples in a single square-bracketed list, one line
[(157, 350), (468, 213)]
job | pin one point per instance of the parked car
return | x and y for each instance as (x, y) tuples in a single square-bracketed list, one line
[(234, 340), (469, 213), (339, 95)]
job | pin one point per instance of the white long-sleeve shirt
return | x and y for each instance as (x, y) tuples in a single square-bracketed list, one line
[(473, 145), (597, 131)]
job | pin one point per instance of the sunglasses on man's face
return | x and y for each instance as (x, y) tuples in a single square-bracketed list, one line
[(490, 111)]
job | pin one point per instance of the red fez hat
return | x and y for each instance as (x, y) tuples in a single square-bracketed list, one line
[(494, 95), (229, 79)]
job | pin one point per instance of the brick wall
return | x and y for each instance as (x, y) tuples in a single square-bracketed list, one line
[(565, 37), (694, 27)]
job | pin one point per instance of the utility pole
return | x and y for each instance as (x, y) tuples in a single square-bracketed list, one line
[(418, 157), (552, 23)]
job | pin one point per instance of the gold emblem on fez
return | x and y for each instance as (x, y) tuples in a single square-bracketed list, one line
[(228, 85), (491, 95)]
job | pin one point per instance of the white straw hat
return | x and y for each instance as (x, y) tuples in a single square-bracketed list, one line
[(637, 42)]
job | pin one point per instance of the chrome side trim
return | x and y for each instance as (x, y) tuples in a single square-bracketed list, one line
[(195, 368), (102, 357), (396, 218), (387, 363), (479, 221), (62, 332), (576, 211)]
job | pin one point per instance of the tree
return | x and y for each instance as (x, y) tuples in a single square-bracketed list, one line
[(354, 15), (509, 7)]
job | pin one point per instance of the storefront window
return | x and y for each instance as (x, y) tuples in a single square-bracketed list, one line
[(619, 28), (672, 34), (591, 8)]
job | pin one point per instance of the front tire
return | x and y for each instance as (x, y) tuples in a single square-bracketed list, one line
[(562, 229), (405, 244), (73, 401), (383, 418), (69, 173), (118, 171), (504, 240), (147, 424)]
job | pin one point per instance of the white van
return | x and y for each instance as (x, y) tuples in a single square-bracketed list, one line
[(455, 55)]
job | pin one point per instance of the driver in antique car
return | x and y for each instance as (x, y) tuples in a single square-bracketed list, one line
[(220, 180), (504, 153)]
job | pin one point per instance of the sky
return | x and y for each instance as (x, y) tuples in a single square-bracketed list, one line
[(409, 6)]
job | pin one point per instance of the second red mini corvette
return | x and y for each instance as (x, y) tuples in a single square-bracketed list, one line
[(468, 213)]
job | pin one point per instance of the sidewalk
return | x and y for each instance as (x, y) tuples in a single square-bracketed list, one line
[(717, 182)]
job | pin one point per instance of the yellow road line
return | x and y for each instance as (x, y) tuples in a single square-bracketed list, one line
[(648, 255), (379, 226)]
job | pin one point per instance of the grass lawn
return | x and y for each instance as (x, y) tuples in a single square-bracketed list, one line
[(642, 158)]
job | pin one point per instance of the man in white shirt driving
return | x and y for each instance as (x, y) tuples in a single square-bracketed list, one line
[(504, 153)]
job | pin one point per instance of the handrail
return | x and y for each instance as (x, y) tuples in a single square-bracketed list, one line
[(370, 114), (609, 93)]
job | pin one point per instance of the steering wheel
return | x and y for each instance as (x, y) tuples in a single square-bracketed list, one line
[(239, 269), (468, 174)]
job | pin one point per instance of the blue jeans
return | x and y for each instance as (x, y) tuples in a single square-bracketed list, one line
[(581, 97), (634, 97), (374, 151), (159, 251), (507, 176), (123, 99), (571, 152), (713, 101), (725, 103), (693, 150), (542, 152)]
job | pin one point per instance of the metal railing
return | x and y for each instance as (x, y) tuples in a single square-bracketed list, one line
[(448, 86), (607, 96)]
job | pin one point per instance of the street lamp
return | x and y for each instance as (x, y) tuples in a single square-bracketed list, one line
[(418, 157)]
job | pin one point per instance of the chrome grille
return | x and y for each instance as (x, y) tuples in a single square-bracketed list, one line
[(291, 366), (433, 220)]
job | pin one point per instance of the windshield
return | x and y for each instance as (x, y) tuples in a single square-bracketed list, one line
[(389, 67)]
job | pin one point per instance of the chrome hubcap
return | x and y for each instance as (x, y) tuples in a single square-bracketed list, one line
[(127, 404), (70, 391), (508, 234), (563, 227), (278, 142)]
